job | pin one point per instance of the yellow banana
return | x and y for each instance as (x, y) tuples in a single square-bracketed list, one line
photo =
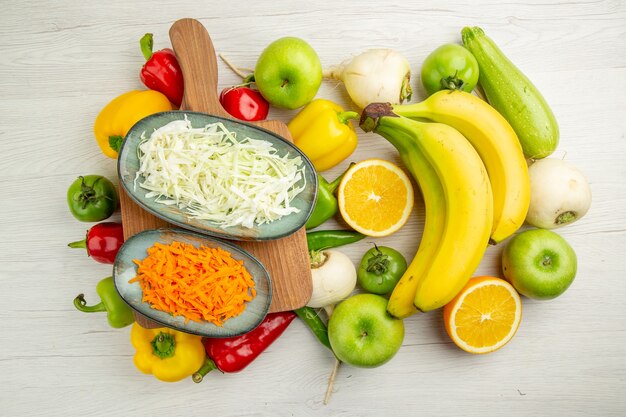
[(466, 216), (401, 299), (497, 144)]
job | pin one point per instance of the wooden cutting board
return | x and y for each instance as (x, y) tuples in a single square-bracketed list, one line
[(286, 259)]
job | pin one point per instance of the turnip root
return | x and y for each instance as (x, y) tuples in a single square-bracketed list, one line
[(559, 194), (376, 75)]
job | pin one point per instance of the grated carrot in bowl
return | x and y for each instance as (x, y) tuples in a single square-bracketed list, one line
[(197, 283)]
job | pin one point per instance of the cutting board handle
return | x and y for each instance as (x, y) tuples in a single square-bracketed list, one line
[(196, 56)]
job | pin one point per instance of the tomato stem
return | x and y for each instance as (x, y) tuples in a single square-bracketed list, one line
[(88, 193), (379, 263), (452, 82)]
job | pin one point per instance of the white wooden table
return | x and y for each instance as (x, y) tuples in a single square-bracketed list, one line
[(62, 61)]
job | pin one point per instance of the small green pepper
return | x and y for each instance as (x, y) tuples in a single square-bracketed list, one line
[(326, 205), (119, 314), (326, 239), (313, 321)]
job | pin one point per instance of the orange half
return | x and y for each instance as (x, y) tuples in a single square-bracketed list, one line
[(375, 197), (484, 316)]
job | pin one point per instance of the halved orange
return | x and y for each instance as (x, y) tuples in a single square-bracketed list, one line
[(375, 197), (484, 316)]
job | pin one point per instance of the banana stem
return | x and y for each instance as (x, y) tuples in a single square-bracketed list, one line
[(372, 114)]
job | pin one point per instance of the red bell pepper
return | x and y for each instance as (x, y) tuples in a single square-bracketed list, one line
[(233, 354), (161, 72), (102, 242)]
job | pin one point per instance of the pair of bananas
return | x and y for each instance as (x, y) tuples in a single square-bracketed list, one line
[(470, 168)]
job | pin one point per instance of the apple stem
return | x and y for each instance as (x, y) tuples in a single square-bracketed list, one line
[(236, 70), (331, 381)]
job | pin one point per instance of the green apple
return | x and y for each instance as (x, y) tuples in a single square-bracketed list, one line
[(288, 73), (362, 333), (539, 263)]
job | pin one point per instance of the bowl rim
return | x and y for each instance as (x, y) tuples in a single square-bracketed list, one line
[(217, 231), (221, 243)]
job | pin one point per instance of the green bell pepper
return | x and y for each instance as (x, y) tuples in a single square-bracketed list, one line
[(326, 205), (119, 314)]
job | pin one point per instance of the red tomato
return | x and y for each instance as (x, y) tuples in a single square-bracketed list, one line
[(244, 103)]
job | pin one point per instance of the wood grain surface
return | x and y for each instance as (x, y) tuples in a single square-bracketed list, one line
[(285, 259), (62, 61)]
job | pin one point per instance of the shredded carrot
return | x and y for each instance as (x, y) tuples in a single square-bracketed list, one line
[(196, 283)]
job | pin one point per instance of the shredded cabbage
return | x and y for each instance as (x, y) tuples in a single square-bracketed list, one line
[(210, 174)]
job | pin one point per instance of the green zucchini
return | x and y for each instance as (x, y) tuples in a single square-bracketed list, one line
[(513, 95)]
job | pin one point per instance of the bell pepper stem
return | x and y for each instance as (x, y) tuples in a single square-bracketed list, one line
[(81, 305), (78, 244), (206, 367), (332, 186), (147, 43), (164, 345), (115, 142), (345, 116)]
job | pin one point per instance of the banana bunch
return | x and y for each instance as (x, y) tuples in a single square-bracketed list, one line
[(473, 177), (497, 145)]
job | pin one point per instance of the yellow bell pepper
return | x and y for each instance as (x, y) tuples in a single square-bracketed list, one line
[(323, 131), (167, 354), (117, 117)]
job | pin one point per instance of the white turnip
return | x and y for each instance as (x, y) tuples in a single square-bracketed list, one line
[(375, 76), (334, 278), (559, 194)]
